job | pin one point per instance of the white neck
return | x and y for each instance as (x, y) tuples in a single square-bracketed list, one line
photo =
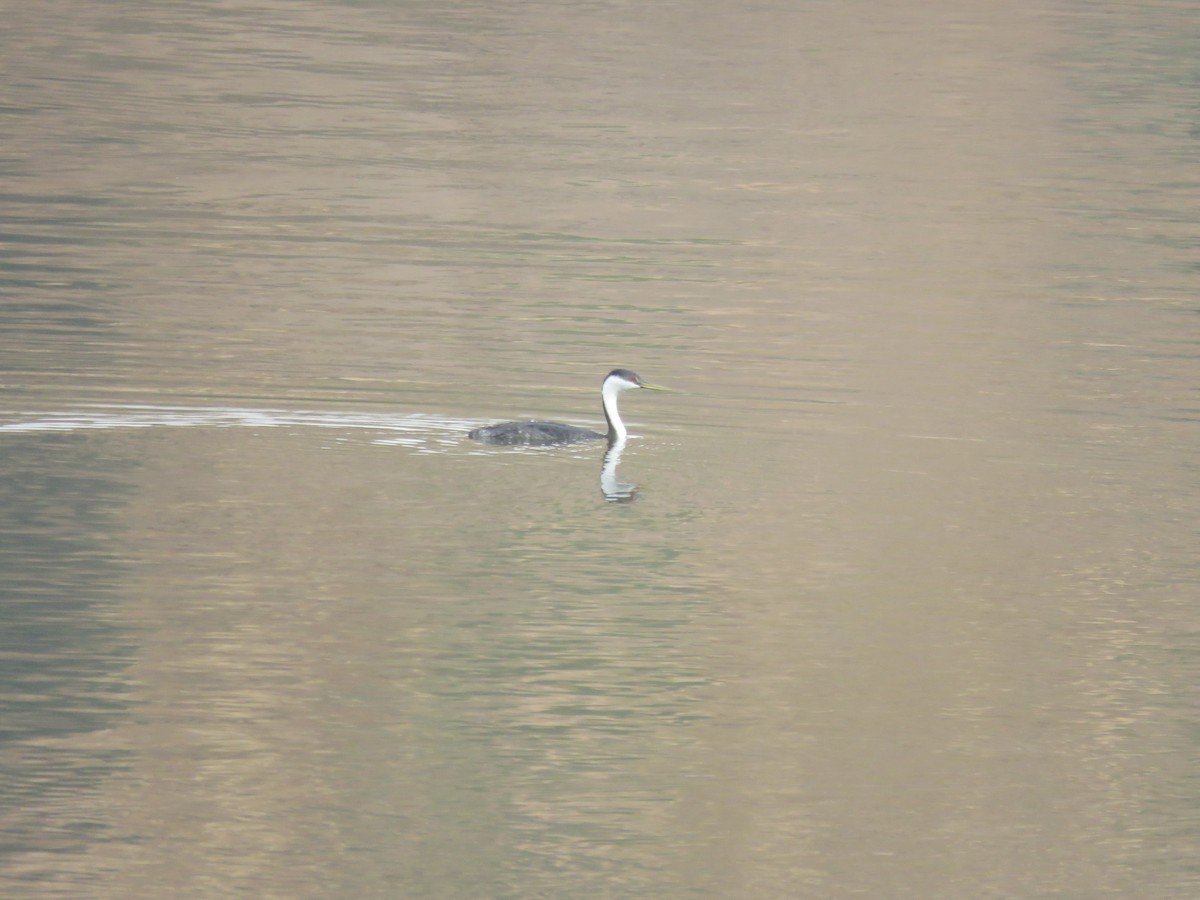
[(608, 393)]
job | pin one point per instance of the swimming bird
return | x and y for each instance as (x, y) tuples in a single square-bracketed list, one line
[(543, 434)]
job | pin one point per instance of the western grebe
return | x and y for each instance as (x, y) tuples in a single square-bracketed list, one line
[(541, 434)]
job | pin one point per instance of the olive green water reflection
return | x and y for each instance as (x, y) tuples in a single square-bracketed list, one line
[(64, 647), (904, 603)]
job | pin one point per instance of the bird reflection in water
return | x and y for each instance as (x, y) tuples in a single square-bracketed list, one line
[(615, 491)]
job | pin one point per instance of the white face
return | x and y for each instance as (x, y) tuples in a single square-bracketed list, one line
[(621, 384)]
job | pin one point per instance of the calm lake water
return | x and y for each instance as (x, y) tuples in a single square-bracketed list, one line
[(897, 595)]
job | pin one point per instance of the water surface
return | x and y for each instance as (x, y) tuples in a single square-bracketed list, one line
[(899, 599)]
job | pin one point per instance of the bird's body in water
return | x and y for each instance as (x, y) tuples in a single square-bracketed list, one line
[(544, 434)]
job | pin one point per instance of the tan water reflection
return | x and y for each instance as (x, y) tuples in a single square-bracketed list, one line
[(902, 606)]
